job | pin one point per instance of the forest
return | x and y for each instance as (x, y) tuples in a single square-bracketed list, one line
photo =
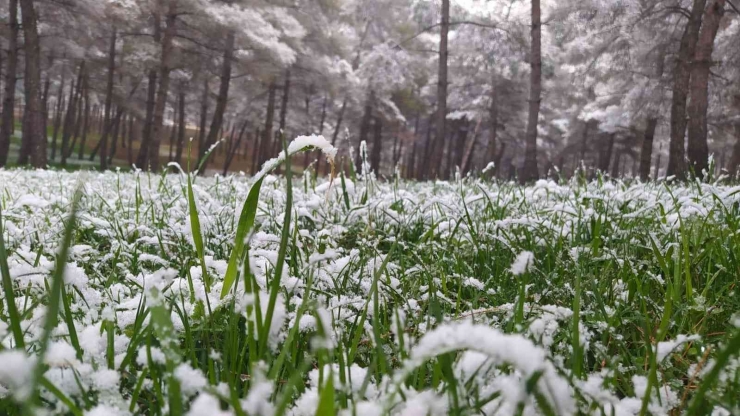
[(527, 89)]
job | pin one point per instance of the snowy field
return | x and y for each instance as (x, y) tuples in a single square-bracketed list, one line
[(394, 297)]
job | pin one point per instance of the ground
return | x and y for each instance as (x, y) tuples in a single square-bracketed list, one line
[(394, 297)]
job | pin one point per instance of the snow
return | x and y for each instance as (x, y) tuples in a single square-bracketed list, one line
[(522, 263)]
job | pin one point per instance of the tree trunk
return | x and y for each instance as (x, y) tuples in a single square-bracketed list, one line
[(338, 126), (180, 129), (283, 115), (646, 154), (616, 165), (734, 167), (203, 119), (79, 116), (265, 145), (233, 149), (71, 117), (606, 154), (164, 85), (441, 122), (142, 158), (377, 144), (131, 138), (58, 113), (114, 134), (108, 101), (321, 132), (530, 171), (681, 78), (364, 129), (86, 120), (425, 171), (223, 94), (698, 151), (256, 151), (7, 119)]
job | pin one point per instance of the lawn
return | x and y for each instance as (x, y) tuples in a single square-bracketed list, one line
[(177, 294)]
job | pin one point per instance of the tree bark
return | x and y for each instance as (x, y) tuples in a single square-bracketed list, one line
[(165, 67), (530, 171), (698, 150), (364, 129), (180, 129), (266, 143), (233, 149), (58, 113), (646, 154), (734, 167), (7, 119), (441, 122), (681, 79), (142, 157), (283, 115), (606, 154), (114, 135), (86, 120), (108, 101), (203, 119), (71, 116), (223, 94), (131, 137), (377, 144)]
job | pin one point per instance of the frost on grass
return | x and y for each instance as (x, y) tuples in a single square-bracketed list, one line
[(400, 293)]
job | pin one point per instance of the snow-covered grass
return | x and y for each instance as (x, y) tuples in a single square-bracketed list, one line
[(392, 297)]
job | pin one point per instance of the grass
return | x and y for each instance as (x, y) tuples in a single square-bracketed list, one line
[(171, 294)]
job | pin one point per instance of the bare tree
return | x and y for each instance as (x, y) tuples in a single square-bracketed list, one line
[(698, 151), (530, 171), (681, 78), (7, 120), (34, 136)]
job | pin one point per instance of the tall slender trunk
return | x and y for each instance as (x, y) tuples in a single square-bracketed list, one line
[(493, 121), (233, 149), (364, 129), (180, 128), (58, 113), (377, 144), (425, 169), (131, 134), (283, 116), (698, 150), (605, 157), (114, 134), (734, 167), (33, 122), (173, 131), (321, 131), (71, 116), (256, 151), (530, 171), (203, 119), (337, 126), (647, 148), (108, 100), (79, 116), (681, 79), (164, 84), (142, 158), (441, 122), (7, 119), (265, 145), (85, 121), (616, 165), (223, 93)]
